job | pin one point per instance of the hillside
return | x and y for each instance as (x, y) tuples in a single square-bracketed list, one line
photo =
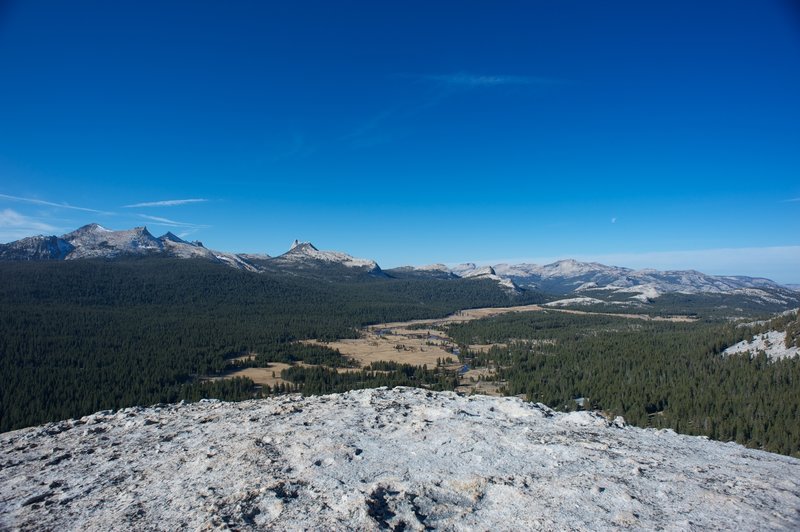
[(777, 338), (401, 459)]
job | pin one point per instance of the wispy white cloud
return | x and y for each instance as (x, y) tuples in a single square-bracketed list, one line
[(791, 200), (35, 201), (171, 223), (165, 203), (473, 80), (14, 226)]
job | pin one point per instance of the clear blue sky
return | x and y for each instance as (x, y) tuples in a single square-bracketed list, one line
[(413, 132)]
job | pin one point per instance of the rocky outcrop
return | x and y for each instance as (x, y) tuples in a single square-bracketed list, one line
[(383, 459)]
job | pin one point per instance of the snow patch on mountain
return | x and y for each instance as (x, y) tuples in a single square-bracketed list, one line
[(383, 459)]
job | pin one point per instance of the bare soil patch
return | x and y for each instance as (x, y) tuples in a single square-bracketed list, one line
[(260, 376), (399, 348)]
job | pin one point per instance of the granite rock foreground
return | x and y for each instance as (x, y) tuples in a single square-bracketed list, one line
[(376, 459)]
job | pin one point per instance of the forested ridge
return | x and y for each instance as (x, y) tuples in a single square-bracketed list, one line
[(80, 336), (77, 337), (660, 374)]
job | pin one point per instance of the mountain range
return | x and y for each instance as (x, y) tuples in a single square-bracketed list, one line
[(586, 283)]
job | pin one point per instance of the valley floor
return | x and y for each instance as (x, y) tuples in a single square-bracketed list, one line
[(411, 342)]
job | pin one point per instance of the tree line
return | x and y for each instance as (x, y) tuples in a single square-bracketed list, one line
[(655, 374), (82, 336)]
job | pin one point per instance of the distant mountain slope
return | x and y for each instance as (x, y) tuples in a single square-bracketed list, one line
[(36, 248), (776, 338), (305, 254), (94, 241), (583, 283), (594, 281), (432, 271)]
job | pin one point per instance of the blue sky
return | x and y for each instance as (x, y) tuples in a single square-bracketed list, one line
[(660, 134)]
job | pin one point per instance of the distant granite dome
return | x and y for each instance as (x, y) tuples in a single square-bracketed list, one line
[(305, 253)]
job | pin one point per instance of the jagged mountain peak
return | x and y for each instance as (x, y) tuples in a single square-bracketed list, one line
[(299, 246), (94, 226), (89, 228), (172, 237), (302, 252), (97, 231), (94, 240)]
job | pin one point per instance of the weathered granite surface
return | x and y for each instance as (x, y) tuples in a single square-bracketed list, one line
[(372, 459)]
